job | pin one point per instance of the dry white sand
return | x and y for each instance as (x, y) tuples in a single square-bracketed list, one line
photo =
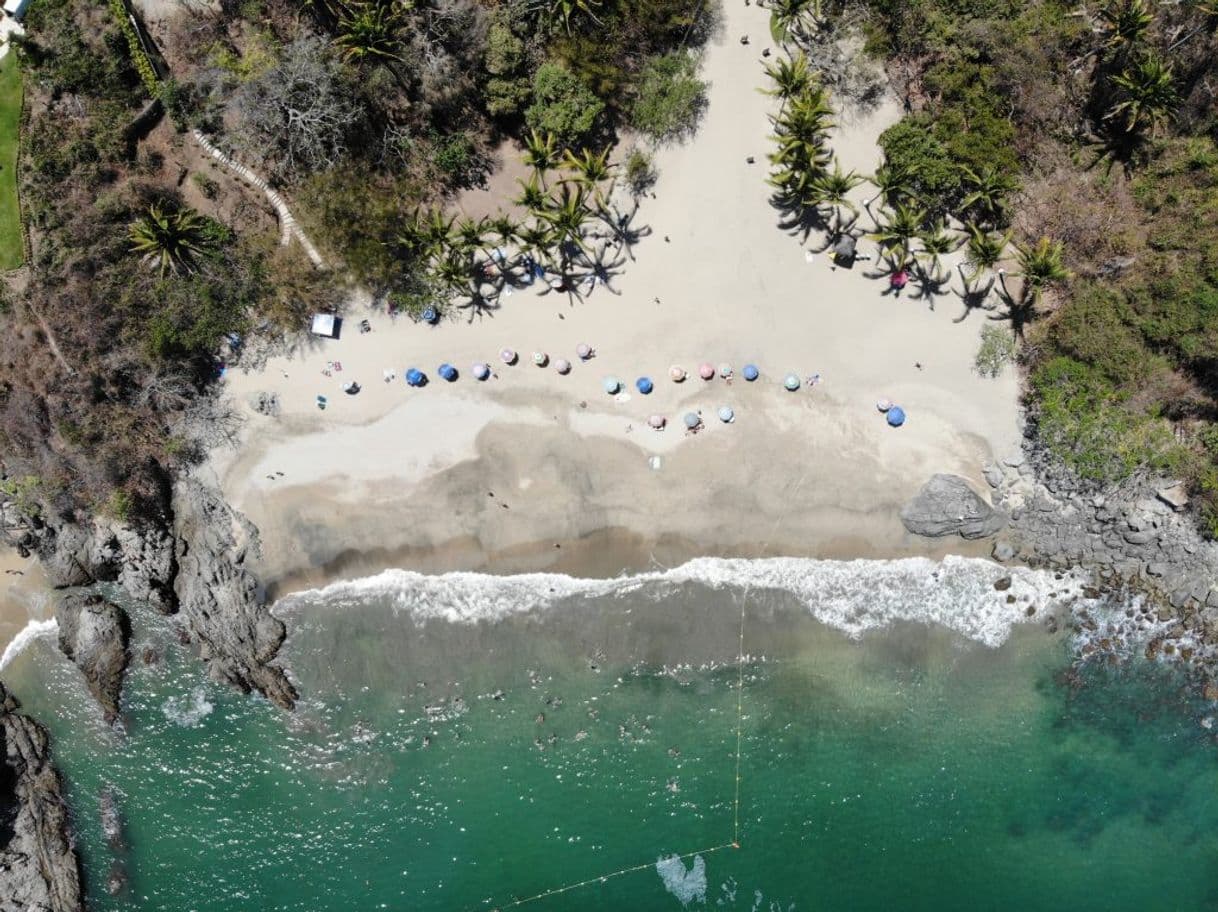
[(532, 457)]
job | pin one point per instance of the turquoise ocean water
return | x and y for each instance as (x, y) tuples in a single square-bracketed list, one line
[(466, 742)]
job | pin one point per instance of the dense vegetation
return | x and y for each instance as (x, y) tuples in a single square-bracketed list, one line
[(151, 266), (11, 247), (1085, 135)]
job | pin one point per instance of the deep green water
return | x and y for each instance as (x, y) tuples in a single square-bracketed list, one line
[(910, 770)]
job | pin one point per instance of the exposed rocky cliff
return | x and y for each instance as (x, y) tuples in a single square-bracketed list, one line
[(94, 634), (219, 599), (39, 868), (192, 564)]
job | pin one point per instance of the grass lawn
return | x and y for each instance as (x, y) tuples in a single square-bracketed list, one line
[(10, 124)]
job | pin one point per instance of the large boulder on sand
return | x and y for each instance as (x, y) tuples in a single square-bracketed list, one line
[(947, 505), (94, 633)]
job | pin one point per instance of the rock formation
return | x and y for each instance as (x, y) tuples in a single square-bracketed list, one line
[(219, 599), (39, 869), (947, 505), (94, 634)]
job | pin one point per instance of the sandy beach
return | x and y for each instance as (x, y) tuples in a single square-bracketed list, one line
[(509, 472)]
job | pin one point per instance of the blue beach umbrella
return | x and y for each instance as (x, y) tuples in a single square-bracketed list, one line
[(611, 385), (415, 377), (896, 416), (791, 382), (430, 315), (750, 372), (447, 371), (726, 415), (644, 385), (692, 420)]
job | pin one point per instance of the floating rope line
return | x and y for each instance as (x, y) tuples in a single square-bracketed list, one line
[(604, 877)]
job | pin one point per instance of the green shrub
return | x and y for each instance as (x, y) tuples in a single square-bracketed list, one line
[(671, 96), (508, 88), (1091, 330), (1084, 421), (457, 159), (562, 106), (910, 145), (996, 351), (640, 171)]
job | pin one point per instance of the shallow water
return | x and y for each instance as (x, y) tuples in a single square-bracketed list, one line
[(469, 741)]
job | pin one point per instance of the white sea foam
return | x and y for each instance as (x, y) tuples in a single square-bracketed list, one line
[(188, 710), (686, 884), (853, 596), (28, 634)]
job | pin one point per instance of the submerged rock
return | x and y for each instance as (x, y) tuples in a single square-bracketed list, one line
[(947, 505), (39, 868), (94, 634)]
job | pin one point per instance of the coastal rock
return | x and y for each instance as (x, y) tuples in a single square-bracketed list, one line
[(39, 868), (1003, 551), (947, 505), (219, 599), (94, 634)]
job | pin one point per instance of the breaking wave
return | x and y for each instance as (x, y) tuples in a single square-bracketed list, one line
[(29, 633), (976, 598)]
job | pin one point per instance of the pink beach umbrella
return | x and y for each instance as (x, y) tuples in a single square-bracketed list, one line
[(676, 374), (706, 370), (584, 350), (657, 422), (563, 366), (884, 404), (508, 356)]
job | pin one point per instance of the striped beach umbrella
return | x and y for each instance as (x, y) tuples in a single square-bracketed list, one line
[(791, 382)]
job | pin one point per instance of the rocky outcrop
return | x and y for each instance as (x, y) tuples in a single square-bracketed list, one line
[(39, 868), (219, 599), (1129, 535), (947, 505), (95, 634)]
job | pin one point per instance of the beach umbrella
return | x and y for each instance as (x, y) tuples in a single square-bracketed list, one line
[(896, 416), (481, 370), (726, 415), (791, 382), (430, 315), (692, 420), (541, 359), (676, 374), (414, 376), (706, 371), (611, 385), (447, 371), (563, 366), (725, 371), (750, 372), (584, 350), (845, 250), (508, 356), (883, 405), (657, 422), (643, 385)]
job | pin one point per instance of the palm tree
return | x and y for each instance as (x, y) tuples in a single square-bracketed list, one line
[(1040, 266), (833, 189), (793, 19), (541, 153), (368, 31), (899, 229), (437, 231), (532, 194), (1125, 23), (566, 216), (1148, 95), (937, 242), (171, 240), (591, 170), (894, 183), (987, 193), (983, 251), (791, 78)]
